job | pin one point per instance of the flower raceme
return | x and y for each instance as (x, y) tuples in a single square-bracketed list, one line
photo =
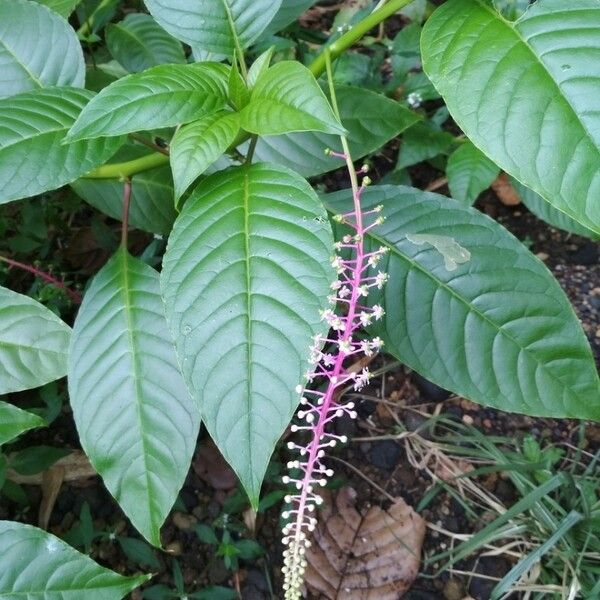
[(330, 357)]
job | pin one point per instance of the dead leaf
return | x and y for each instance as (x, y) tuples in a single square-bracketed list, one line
[(75, 466), (51, 483), (369, 555), (505, 191), (210, 466)]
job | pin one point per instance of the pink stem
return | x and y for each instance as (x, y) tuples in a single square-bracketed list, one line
[(72, 294)]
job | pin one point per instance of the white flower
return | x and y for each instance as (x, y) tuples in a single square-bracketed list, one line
[(365, 318), (345, 346), (377, 343), (381, 279), (378, 312), (365, 348)]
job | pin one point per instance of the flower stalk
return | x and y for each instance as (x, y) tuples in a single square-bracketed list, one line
[(330, 356)]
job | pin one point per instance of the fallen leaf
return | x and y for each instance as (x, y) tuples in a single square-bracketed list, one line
[(505, 191), (373, 554), (74, 466), (210, 466)]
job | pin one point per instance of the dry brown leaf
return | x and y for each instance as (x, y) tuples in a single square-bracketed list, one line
[(505, 191), (75, 466), (369, 555), (210, 466)]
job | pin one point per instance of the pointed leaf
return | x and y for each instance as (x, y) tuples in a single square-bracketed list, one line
[(469, 172), (136, 420), (38, 48), (288, 12), (152, 198), (545, 211), (288, 98), (138, 42), (32, 158), (39, 566), (62, 7), (163, 96), (360, 111), (214, 25), (14, 422), (33, 343), (198, 145), (244, 277), (526, 93), (497, 328)]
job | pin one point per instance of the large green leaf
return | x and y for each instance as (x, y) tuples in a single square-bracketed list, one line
[(469, 172), (152, 198), (198, 145), (39, 566), (14, 422), (136, 420), (32, 158), (545, 211), (497, 329), (244, 277), (286, 98), (214, 25), (33, 343), (288, 12), (526, 93), (138, 43), (361, 114), (62, 7), (163, 96), (38, 49)]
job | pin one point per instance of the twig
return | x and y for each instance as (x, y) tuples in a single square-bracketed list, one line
[(72, 294)]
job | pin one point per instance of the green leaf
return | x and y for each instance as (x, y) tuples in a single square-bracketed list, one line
[(138, 43), (62, 7), (214, 25), (14, 422), (422, 142), (497, 329), (198, 145), (526, 93), (38, 49), (360, 112), (239, 95), (136, 420), (469, 172), (288, 12), (152, 198), (32, 158), (35, 459), (244, 277), (288, 98), (163, 96), (40, 566), (33, 343), (545, 211), (259, 67)]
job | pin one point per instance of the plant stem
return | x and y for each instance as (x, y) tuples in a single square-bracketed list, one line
[(251, 148), (142, 140), (126, 205), (129, 168), (72, 294), (318, 66)]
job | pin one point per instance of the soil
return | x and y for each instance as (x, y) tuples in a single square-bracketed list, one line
[(573, 260)]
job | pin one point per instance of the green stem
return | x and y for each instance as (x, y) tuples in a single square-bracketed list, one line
[(319, 66), (129, 168)]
